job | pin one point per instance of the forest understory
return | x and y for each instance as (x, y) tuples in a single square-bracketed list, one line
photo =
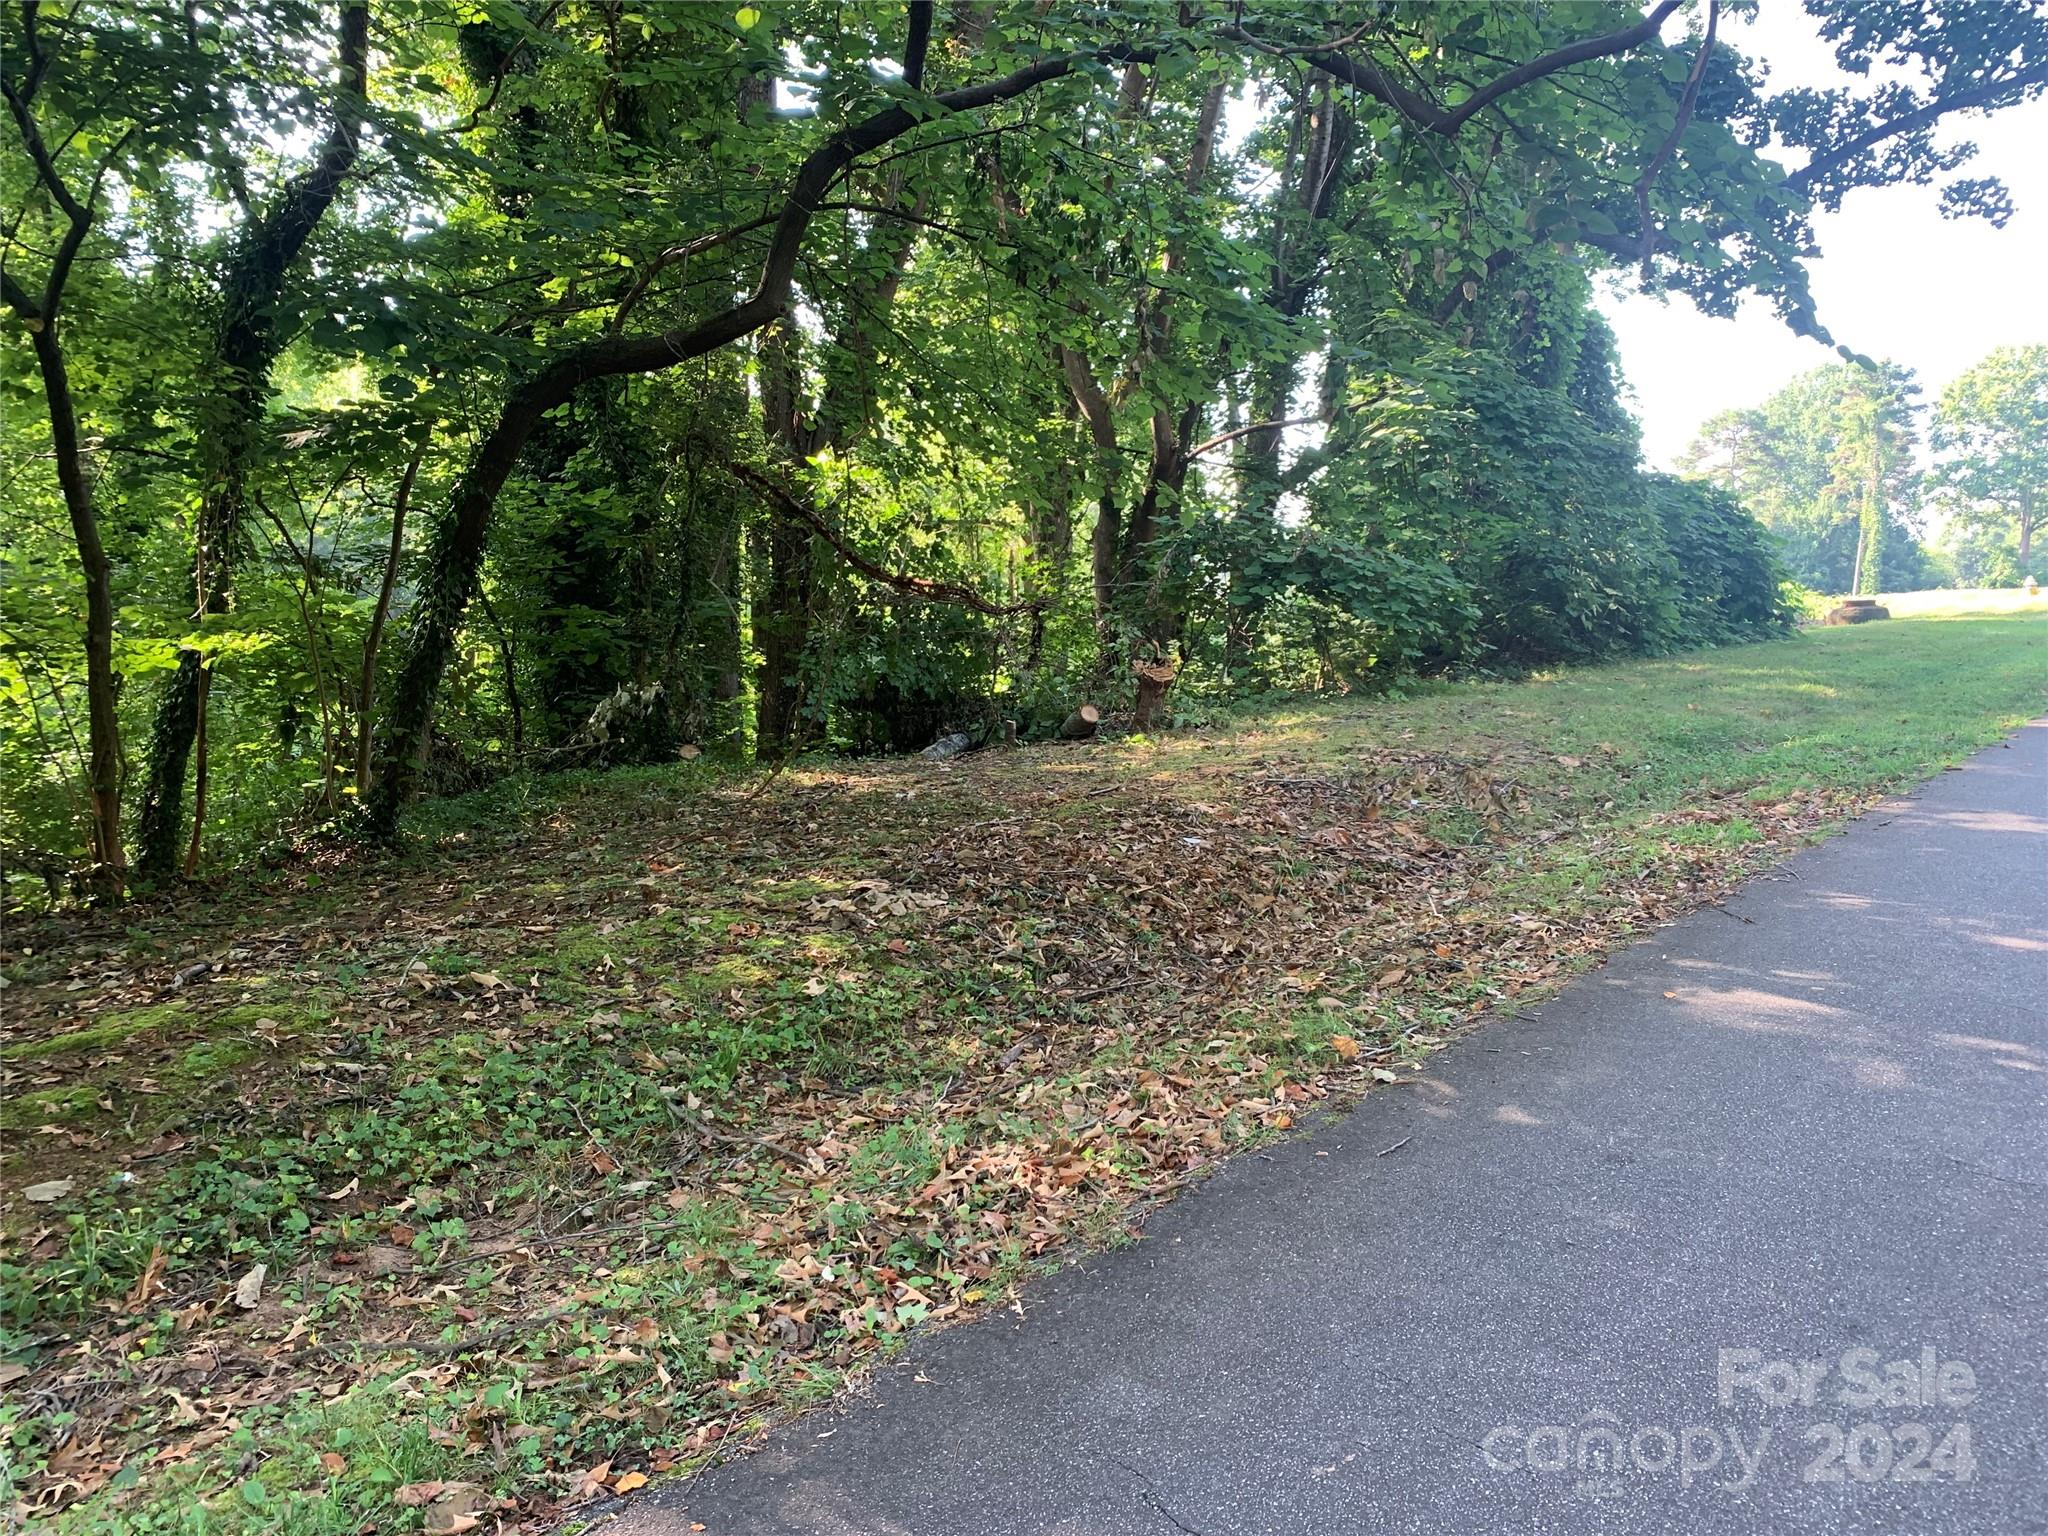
[(622, 1115)]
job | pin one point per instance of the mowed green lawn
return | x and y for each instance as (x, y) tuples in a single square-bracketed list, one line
[(1855, 708), (629, 1113)]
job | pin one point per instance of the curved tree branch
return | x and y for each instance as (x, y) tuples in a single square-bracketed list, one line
[(1822, 165), (922, 587), (1369, 78), (1686, 101)]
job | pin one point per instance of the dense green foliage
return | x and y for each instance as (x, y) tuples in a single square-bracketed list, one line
[(419, 390)]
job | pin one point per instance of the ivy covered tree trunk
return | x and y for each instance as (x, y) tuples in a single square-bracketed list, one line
[(786, 582), (452, 562), (1870, 544), (230, 425), (714, 651), (782, 614)]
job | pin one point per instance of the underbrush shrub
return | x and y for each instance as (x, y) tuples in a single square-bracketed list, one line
[(1730, 582), (899, 674)]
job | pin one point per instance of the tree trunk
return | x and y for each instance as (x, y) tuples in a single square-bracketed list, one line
[(159, 821), (844, 410), (1258, 496), (782, 625), (454, 558), (103, 724), (199, 766), (715, 632), (1870, 544), (1155, 681), (788, 584), (1166, 476), (366, 691), (1107, 538)]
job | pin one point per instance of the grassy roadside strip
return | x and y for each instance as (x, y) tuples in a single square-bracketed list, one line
[(600, 1136)]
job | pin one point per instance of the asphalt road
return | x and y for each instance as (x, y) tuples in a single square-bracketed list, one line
[(1610, 1238)]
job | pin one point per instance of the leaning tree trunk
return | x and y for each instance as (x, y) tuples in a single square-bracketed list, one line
[(103, 725), (40, 316)]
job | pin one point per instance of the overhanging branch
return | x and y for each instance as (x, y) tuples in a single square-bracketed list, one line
[(1368, 78), (1651, 171), (923, 588)]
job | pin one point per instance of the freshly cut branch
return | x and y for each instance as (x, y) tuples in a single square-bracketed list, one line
[(1081, 724)]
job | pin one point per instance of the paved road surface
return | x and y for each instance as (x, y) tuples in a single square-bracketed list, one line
[(1815, 1126)]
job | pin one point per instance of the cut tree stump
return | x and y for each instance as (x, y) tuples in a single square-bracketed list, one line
[(1856, 610), (1081, 724), (1155, 679)]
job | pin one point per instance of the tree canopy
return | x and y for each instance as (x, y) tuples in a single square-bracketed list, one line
[(1991, 428), (415, 391)]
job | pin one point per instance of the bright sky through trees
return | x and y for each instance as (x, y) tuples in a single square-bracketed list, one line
[(1895, 280)]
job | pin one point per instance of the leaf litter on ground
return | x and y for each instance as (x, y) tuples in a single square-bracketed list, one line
[(573, 1153)]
